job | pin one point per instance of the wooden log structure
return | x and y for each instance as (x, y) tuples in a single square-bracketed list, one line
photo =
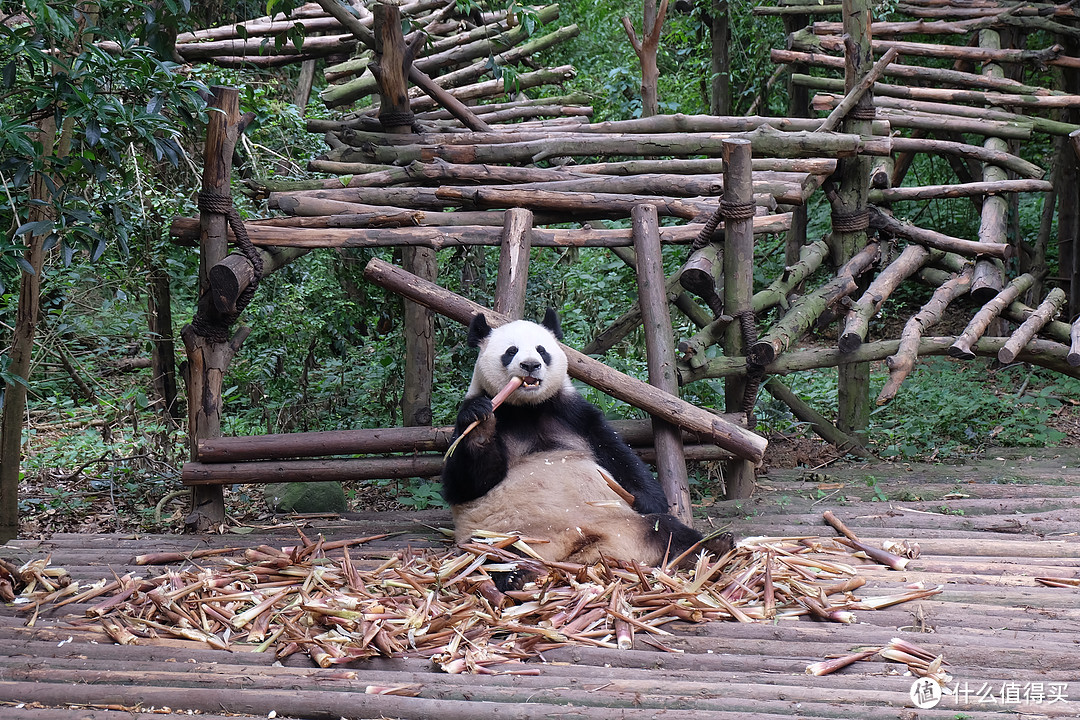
[(975, 329), (739, 441), (466, 235), (210, 353), (475, 175)]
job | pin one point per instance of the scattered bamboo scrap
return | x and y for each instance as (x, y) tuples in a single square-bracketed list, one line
[(919, 661), (444, 605)]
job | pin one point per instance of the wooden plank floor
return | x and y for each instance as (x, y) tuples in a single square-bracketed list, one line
[(985, 531)]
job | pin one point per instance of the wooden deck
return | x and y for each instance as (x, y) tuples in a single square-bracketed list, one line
[(985, 531)]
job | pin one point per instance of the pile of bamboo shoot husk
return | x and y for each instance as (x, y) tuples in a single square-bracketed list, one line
[(443, 605)]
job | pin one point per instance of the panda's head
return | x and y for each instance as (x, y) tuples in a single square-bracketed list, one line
[(519, 349)]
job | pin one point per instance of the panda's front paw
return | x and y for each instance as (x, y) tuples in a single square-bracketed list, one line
[(475, 409)]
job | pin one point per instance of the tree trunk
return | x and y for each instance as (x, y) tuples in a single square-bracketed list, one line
[(646, 48), (162, 351), (22, 343)]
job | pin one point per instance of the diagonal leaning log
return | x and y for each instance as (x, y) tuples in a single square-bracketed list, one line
[(740, 441)]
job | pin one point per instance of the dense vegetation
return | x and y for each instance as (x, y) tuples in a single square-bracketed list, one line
[(325, 351)]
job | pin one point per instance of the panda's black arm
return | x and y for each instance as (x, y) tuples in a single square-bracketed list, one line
[(617, 458), (479, 461)]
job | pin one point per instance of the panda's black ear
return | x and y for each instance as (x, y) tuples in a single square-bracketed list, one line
[(551, 322), (478, 330)]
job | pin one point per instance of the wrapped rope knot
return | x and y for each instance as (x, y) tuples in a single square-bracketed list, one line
[(850, 222), (754, 372), (863, 112), (732, 210), (389, 118)]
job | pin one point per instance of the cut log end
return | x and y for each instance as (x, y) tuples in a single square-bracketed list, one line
[(850, 342), (1006, 356), (761, 353), (1073, 359), (962, 352)]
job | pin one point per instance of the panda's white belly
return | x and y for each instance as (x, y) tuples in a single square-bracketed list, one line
[(562, 498)]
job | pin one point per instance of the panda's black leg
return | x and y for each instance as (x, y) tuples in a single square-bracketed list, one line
[(675, 538)]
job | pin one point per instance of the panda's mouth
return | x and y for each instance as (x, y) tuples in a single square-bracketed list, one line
[(530, 382)]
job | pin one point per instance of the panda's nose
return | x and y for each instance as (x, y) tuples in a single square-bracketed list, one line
[(529, 366)]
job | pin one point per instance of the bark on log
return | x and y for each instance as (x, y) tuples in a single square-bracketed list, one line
[(993, 227), (807, 309), (903, 361), (514, 246), (577, 204), (975, 329), (1044, 353), (973, 97), (934, 239), (741, 442), (992, 188), (407, 440), (660, 357), (940, 76), (1042, 315), (766, 141), (463, 235), (739, 392), (858, 320), (953, 118), (806, 40), (393, 58)]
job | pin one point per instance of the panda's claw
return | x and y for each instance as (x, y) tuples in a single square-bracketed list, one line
[(476, 409), (719, 545)]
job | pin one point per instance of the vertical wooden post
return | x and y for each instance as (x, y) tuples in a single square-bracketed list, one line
[(798, 107), (208, 359), (393, 58), (849, 204), (1068, 200), (738, 291), (513, 275), (989, 274), (419, 342), (660, 353)]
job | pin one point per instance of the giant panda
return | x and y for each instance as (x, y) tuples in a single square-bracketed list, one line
[(535, 465)]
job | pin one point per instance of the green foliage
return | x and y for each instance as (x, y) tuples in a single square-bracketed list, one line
[(107, 102)]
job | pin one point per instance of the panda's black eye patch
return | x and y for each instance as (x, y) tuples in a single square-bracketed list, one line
[(508, 355), (544, 354)]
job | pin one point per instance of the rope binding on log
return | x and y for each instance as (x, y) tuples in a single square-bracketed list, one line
[(725, 210), (389, 119), (754, 373), (850, 222), (732, 210), (863, 112), (216, 328)]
